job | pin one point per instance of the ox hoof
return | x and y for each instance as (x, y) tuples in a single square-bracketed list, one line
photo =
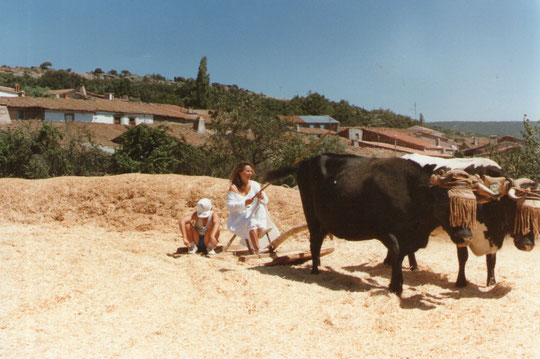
[(491, 282), (397, 289), (413, 268), (461, 283), (315, 271)]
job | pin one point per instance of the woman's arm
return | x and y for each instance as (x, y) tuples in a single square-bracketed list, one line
[(235, 202), (258, 193)]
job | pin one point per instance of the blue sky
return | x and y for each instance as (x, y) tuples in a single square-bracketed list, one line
[(474, 60)]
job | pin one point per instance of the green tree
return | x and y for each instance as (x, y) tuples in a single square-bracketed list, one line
[(60, 80), (153, 150), (523, 161), (421, 118), (297, 146), (145, 149), (247, 133), (202, 85), (41, 150), (45, 65)]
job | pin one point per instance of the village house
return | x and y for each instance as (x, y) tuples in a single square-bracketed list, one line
[(394, 139), (494, 144), (94, 110), (79, 93), (11, 92), (308, 124)]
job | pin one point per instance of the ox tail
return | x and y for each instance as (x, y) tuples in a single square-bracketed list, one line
[(274, 175)]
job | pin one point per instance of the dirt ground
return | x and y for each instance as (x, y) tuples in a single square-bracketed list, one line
[(89, 271)]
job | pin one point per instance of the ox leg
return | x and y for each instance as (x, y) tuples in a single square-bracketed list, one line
[(463, 255), (413, 265), (491, 259), (315, 242), (387, 259), (396, 259)]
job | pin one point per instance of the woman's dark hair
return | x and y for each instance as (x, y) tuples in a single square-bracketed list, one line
[(235, 174)]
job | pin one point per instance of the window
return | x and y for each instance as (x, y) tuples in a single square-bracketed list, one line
[(20, 115), (132, 121), (117, 120), (69, 117)]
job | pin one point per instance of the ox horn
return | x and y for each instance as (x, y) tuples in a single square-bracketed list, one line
[(484, 190), (522, 181), (512, 194)]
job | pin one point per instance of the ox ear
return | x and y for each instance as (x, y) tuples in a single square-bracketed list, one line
[(430, 168)]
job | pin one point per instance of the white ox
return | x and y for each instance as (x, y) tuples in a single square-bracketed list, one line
[(481, 244)]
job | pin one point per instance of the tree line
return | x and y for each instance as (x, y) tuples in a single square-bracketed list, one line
[(39, 149), (245, 129)]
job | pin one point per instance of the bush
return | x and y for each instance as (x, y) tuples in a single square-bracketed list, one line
[(153, 150), (41, 150), (523, 161)]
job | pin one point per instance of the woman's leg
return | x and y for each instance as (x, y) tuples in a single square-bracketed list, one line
[(254, 237)]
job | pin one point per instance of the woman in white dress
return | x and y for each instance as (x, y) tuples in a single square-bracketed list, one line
[(248, 216)]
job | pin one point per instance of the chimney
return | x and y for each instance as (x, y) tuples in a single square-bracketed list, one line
[(17, 88), (475, 141), (82, 90), (493, 140), (110, 96), (200, 125), (438, 141)]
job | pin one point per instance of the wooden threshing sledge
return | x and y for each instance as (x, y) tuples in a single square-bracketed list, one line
[(270, 251)]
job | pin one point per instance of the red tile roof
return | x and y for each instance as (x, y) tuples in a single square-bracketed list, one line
[(98, 105), (401, 148), (403, 138), (7, 89), (104, 134), (314, 131)]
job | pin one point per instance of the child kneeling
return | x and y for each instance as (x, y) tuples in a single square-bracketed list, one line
[(200, 230)]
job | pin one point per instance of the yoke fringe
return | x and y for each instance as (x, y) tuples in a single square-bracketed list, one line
[(462, 207), (527, 217)]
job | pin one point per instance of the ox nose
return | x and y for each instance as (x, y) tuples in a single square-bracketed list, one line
[(524, 244)]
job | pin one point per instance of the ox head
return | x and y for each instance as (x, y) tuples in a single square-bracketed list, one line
[(462, 203), (526, 193)]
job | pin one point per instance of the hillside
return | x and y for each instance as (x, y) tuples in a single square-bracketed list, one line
[(89, 270), (486, 129), (182, 91)]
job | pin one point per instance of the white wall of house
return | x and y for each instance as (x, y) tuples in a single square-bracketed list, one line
[(55, 116), (107, 117), (355, 134), (8, 94), (98, 117)]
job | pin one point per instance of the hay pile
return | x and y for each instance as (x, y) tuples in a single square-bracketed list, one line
[(88, 271), (132, 202)]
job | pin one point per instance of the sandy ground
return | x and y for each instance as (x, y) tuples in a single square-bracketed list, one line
[(74, 285)]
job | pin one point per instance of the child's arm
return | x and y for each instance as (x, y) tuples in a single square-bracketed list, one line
[(183, 228), (215, 228)]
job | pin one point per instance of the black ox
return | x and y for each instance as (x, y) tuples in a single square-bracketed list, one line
[(363, 198)]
